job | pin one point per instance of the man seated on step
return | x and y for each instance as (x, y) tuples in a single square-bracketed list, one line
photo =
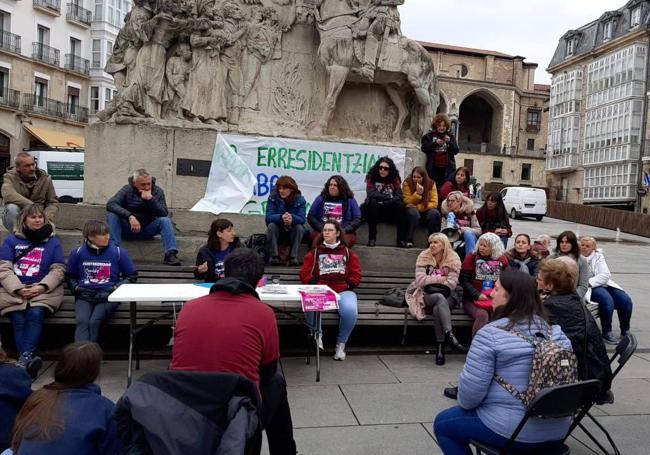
[(138, 211), (232, 331), (25, 185)]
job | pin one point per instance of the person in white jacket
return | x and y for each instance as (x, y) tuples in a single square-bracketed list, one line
[(606, 292)]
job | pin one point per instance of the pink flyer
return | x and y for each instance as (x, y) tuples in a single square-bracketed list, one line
[(318, 300)]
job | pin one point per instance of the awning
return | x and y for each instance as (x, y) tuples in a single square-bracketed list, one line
[(56, 138)]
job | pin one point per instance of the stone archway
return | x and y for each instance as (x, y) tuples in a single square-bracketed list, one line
[(481, 122)]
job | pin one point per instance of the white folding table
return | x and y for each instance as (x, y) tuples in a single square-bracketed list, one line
[(182, 292)]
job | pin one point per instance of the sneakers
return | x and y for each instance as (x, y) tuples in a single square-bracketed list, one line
[(609, 338), (339, 353), (171, 258)]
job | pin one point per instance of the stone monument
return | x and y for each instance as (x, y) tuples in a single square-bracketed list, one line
[(331, 70)]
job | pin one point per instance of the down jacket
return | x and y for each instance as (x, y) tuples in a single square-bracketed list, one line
[(127, 201), (495, 351), (179, 412)]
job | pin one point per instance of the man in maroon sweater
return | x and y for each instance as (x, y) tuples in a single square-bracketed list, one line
[(232, 331)]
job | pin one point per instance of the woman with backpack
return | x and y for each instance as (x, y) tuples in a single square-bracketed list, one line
[(498, 360), (222, 240), (69, 415), (334, 264), (94, 271)]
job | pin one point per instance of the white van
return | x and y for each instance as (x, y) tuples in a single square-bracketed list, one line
[(67, 172), (524, 201)]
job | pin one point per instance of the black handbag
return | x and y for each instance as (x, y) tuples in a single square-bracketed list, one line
[(394, 297), (437, 289)]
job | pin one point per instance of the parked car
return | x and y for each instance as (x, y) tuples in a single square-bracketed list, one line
[(523, 201), (67, 171)]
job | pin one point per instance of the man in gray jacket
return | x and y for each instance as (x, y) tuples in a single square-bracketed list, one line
[(24, 185)]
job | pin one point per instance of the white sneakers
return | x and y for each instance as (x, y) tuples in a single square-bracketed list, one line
[(339, 354)]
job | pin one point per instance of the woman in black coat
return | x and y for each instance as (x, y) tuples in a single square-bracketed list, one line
[(222, 240), (440, 147)]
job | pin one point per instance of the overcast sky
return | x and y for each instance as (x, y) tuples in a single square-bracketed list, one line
[(530, 28)]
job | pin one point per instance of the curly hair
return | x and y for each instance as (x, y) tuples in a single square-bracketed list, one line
[(344, 189), (441, 118), (393, 173)]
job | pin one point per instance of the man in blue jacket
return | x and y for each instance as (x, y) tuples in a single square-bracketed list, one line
[(138, 211)]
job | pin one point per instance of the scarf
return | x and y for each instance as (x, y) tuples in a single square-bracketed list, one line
[(331, 246), (38, 235), (522, 264)]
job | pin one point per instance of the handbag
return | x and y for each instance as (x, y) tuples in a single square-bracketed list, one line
[(394, 297), (437, 289)]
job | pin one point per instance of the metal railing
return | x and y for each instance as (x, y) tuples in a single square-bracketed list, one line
[(9, 98), (45, 53), (54, 108), (78, 14), (75, 63), (54, 5), (10, 42)]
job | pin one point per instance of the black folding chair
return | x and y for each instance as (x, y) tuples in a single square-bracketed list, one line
[(570, 400), (624, 351)]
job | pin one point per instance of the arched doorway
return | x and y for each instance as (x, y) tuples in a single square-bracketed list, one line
[(481, 118)]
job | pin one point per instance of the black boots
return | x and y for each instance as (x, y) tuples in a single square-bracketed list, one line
[(440, 354), (452, 341), (171, 258)]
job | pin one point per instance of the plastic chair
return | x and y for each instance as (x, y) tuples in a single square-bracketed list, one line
[(624, 351), (555, 402)]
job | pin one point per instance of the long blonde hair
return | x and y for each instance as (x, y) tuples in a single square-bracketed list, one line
[(447, 248)]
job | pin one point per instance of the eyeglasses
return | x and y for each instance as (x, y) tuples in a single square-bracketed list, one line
[(384, 168)]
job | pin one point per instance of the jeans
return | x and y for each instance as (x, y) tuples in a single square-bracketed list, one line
[(430, 218), (277, 234), (276, 417), (9, 216), (90, 317), (608, 300), (347, 316), (28, 327), (470, 238), (456, 427), (120, 228)]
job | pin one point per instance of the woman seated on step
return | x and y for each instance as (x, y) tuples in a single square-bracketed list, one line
[(436, 277), (567, 245), (486, 411), (94, 271), (606, 292), (493, 217), (334, 264), (222, 240), (520, 256), (285, 220), (335, 202), (421, 199), (480, 270), (32, 269), (458, 213), (69, 415), (384, 202), (458, 182)]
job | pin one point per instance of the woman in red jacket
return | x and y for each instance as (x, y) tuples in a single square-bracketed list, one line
[(333, 264)]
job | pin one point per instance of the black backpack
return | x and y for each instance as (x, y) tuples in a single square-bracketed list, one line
[(257, 243), (394, 297)]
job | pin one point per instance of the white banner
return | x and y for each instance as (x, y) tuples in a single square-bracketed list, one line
[(310, 163)]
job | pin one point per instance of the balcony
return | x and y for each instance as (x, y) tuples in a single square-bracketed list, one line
[(45, 54), (79, 15), (53, 108), (563, 162), (52, 7), (77, 64), (10, 42), (533, 128), (9, 98)]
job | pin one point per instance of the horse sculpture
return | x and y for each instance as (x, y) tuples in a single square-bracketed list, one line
[(365, 45)]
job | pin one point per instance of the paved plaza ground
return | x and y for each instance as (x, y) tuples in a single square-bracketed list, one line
[(385, 404)]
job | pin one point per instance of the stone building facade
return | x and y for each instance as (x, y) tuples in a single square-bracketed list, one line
[(500, 114), (599, 113), (44, 75)]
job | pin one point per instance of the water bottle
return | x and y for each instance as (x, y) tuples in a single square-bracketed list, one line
[(488, 287), (451, 220)]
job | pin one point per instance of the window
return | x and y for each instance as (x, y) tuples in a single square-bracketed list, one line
[(109, 49), (469, 164), (40, 91), (531, 144), (94, 100), (525, 171), (497, 169), (97, 53), (5, 21), (635, 17), (108, 96), (4, 82), (109, 12), (75, 47), (99, 9), (608, 30), (570, 46), (73, 100), (534, 120), (43, 35)]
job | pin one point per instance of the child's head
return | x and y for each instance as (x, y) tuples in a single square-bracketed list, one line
[(97, 233)]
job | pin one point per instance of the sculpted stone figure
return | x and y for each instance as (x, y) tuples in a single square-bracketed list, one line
[(177, 73)]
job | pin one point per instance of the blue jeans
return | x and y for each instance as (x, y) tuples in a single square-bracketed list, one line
[(90, 317), (456, 427), (28, 328), (470, 238), (608, 300), (120, 228), (347, 316)]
